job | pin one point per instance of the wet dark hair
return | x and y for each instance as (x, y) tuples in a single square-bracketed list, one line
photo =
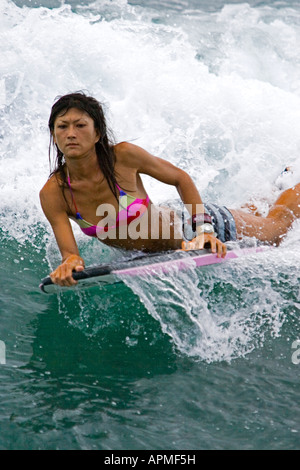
[(104, 147)]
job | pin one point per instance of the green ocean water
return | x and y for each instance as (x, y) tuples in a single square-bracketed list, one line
[(93, 370), (204, 359)]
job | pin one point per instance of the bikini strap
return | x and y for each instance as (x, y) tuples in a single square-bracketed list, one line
[(78, 216), (122, 193)]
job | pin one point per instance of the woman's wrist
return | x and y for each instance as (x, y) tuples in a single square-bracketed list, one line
[(202, 223), (206, 228), (200, 219), (76, 259)]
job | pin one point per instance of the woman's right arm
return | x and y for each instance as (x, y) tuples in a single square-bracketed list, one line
[(54, 208)]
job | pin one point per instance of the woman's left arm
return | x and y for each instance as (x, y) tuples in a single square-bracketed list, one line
[(166, 172)]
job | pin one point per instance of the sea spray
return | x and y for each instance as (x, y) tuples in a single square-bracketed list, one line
[(213, 313)]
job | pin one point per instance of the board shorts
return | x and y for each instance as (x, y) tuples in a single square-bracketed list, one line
[(222, 221)]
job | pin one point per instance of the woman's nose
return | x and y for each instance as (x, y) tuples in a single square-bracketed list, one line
[(71, 132)]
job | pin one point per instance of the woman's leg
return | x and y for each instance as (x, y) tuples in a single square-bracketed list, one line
[(274, 227)]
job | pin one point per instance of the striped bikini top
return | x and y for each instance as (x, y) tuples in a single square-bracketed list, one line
[(130, 208)]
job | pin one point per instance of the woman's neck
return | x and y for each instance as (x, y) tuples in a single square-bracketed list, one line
[(82, 168)]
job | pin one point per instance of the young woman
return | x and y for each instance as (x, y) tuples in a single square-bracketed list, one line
[(98, 184)]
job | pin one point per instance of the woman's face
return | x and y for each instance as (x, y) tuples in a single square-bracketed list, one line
[(75, 134)]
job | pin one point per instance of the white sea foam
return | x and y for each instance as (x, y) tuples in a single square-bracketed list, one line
[(217, 314)]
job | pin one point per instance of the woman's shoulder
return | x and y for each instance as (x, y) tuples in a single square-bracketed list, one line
[(52, 190), (124, 148), (127, 153), (53, 183)]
